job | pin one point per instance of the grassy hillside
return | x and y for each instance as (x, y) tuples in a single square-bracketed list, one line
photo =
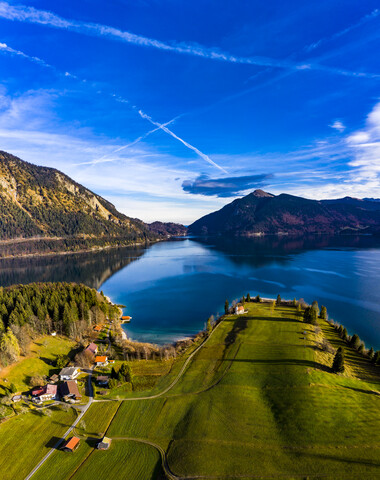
[(258, 400)]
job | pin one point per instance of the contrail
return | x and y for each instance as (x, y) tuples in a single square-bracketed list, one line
[(370, 16), (32, 15), (191, 147), (4, 48), (105, 158)]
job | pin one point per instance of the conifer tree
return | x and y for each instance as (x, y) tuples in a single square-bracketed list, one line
[(226, 307), (338, 363), (248, 297), (323, 314), (278, 300)]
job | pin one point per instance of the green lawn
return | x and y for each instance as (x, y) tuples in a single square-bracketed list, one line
[(258, 400), (40, 361), (26, 438)]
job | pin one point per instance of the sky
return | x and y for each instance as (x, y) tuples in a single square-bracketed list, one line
[(171, 109)]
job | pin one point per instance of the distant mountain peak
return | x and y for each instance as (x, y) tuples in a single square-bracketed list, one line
[(261, 193)]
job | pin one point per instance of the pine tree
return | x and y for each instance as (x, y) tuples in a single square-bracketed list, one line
[(278, 301), (338, 363), (323, 312), (226, 307), (371, 353), (248, 297), (355, 341)]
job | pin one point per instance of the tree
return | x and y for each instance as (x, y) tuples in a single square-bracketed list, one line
[(315, 307), (323, 314), (355, 341), (258, 298), (294, 302), (345, 334), (126, 373), (9, 346), (243, 299), (12, 388), (209, 325), (361, 348), (310, 316), (36, 381), (248, 297), (61, 361), (376, 358), (338, 363), (226, 307), (278, 301), (371, 353)]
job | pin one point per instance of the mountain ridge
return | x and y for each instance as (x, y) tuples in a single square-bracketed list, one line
[(260, 213)]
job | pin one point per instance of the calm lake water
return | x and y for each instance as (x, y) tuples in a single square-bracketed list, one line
[(171, 288)]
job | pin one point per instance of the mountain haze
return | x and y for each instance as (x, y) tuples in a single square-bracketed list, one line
[(263, 213)]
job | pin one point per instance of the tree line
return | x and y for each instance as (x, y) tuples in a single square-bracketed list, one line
[(27, 311)]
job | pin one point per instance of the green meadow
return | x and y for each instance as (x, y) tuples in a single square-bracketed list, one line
[(257, 400)]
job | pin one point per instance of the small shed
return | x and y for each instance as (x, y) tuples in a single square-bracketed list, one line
[(71, 445), (102, 380), (104, 444), (54, 378)]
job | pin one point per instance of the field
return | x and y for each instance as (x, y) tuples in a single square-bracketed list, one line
[(26, 438), (257, 400), (40, 361)]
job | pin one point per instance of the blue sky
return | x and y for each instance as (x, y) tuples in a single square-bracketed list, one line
[(170, 109)]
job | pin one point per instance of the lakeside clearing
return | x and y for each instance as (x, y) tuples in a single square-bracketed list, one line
[(257, 399)]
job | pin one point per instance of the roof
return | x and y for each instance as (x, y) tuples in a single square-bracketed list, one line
[(102, 378), (51, 389), (38, 390), (106, 440), (68, 371), (72, 443), (240, 307), (97, 328), (101, 359), (126, 317), (92, 347), (70, 388), (54, 378)]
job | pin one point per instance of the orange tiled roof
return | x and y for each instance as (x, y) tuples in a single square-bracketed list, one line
[(102, 358), (72, 443)]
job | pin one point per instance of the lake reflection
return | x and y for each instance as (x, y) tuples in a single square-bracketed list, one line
[(171, 288)]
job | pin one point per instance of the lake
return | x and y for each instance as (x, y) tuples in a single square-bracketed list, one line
[(171, 288)]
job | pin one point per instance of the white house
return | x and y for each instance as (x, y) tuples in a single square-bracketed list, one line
[(50, 393), (101, 361), (239, 310), (69, 373)]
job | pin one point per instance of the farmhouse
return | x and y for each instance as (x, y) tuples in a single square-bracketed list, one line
[(239, 310), (49, 393), (70, 391), (101, 361), (92, 348), (126, 318), (69, 373), (71, 445), (104, 444), (102, 380)]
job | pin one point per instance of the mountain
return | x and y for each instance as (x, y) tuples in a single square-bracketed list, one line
[(43, 202), (263, 213), (168, 229)]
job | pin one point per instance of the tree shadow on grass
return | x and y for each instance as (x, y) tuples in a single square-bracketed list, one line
[(285, 361), (361, 390), (54, 442), (239, 326)]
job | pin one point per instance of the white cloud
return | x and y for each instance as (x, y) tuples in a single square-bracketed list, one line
[(338, 125)]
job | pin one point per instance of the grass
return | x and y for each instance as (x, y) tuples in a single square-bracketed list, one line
[(26, 438), (257, 400), (40, 361)]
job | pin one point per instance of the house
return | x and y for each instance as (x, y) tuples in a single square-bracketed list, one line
[(102, 380), (49, 393), (239, 310), (37, 391), (92, 348), (101, 361), (69, 390), (69, 373), (104, 444), (54, 378), (98, 328), (126, 318), (71, 445)]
